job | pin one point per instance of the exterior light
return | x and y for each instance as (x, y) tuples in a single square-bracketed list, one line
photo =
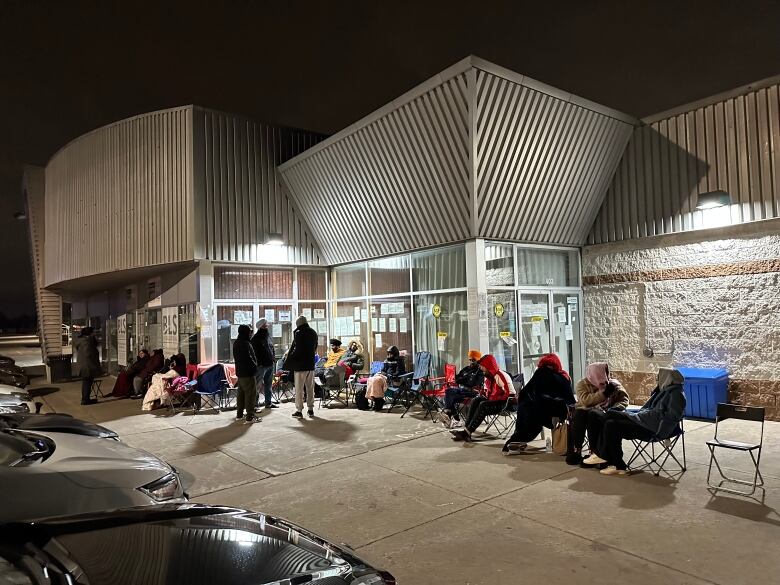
[(274, 239), (713, 199)]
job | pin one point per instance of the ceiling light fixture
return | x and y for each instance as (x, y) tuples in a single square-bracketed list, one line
[(712, 200), (274, 239)]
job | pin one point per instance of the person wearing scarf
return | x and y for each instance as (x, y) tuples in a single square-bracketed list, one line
[(597, 393), (547, 394), (658, 418)]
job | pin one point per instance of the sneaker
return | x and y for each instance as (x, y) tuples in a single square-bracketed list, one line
[(513, 448), (457, 424), (444, 419), (612, 470), (297, 414), (272, 405), (239, 417), (594, 460), (254, 419), (310, 413)]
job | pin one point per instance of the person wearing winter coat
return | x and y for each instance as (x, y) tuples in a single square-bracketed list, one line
[(263, 344), (124, 380), (597, 393), (658, 418), (152, 366), (300, 361), (469, 383), (547, 395), (88, 358), (495, 392), (392, 368), (246, 368), (353, 357), (325, 370)]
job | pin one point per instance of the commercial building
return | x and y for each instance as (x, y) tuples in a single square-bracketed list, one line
[(480, 209)]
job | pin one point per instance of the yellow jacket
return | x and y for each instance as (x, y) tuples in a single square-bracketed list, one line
[(334, 357)]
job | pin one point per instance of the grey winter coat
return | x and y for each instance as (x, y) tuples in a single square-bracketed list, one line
[(666, 407)]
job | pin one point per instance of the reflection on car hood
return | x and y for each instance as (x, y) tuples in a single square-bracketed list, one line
[(56, 423), (13, 404), (93, 462), (13, 390)]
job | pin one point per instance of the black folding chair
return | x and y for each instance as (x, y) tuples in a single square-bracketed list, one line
[(409, 387), (504, 419), (746, 413), (658, 451)]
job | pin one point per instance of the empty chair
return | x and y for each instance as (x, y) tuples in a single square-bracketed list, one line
[(746, 413)]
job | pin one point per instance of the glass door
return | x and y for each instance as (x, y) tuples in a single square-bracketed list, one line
[(229, 317), (534, 329), (280, 323), (502, 329), (566, 331)]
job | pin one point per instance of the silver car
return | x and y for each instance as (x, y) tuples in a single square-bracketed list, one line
[(46, 474)]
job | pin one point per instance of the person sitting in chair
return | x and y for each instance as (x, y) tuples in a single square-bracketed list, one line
[(498, 387), (155, 363), (658, 418), (324, 370), (353, 359), (597, 393), (470, 381), (547, 395), (377, 384)]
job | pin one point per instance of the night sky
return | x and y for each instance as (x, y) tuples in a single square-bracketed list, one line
[(69, 67)]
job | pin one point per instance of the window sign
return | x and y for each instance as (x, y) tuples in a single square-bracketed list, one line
[(121, 340), (270, 315), (170, 330), (285, 316), (242, 318), (319, 313)]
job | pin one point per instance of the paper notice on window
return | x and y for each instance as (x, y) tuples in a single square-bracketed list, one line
[(402, 325), (322, 327), (441, 340), (561, 314), (233, 331), (536, 328), (306, 313), (569, 333), (382, 324), (392, 323), (356, 314), (276, 330), (242, 317), (270, 315), (374, 324), (572, 301), (357, 328), (319, 313), (506, 337), (285, 316), (378, 340), (364, 315)]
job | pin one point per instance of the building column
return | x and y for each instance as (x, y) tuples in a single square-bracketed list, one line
[(206, 312), (477, 295)]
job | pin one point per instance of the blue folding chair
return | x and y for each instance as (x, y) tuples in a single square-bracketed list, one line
[(409, 388), (375, 368), (212, 388)]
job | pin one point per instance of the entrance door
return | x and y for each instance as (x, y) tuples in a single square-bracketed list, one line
[(502, 329), (567, 341), (534, 329)]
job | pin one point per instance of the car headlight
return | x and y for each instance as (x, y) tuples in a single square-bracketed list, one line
[(165, 488)]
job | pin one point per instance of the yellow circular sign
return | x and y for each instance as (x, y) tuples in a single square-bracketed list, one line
[(498, 309), (436, 310)]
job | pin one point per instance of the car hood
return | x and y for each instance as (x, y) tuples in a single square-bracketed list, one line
[(13, 404), (55, 423), (13, 390), (93, 462)]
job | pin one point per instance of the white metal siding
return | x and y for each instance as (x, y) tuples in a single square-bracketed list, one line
[(732, 145), (398, 183), (240, 196), (121, 197), (543, 162)]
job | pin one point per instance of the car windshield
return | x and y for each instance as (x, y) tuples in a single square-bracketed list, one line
[(16, 447)]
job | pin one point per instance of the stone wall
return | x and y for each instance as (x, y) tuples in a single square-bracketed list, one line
[(708, 298)]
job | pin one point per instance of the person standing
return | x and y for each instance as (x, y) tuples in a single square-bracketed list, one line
[(263, 345), (300, 361), (89, 363), (246, 368)]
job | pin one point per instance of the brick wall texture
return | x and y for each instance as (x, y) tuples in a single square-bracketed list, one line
[(711, 303)]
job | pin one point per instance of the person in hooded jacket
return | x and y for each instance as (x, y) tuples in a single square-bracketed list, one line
[(658, 418), (300, 361), (376, 385), (88, 359), (597, 393), (325, 369), (124, 380), (263, 344), (353, 358), (153, 365), (497, 388), (246, 368), (470, 381), (547, 395)]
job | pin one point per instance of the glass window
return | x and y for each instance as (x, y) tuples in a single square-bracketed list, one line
[(391, 324), (281, 322), (502, 329), (566, 332), (537, 267), (439, 269), (535, 326), (499, 265), (188, 333), (442, 328), (389, 275), (311, 284), (318, 320), (350, 320), (349, 281), (229, 317), (252, 283), (149, 329)]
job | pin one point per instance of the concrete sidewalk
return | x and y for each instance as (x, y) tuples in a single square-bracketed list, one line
[(433, 511)]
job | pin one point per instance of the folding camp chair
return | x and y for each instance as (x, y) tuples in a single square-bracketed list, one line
[(656, 452), (434, 395), (211, 388), (356, 385), (178, 397), (409, 387), (746, 413), (282, 385), (332, 389), (503, 420)]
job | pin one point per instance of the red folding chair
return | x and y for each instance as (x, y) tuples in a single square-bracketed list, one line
[(434, 397)]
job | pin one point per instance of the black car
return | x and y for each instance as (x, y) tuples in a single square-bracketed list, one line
[(182, 543)]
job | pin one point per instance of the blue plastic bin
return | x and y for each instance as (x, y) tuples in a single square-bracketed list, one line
[(704, 388)]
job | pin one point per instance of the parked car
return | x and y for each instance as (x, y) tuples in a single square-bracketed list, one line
[(62, 473), (191, 543), (54, 422), (6, 360), (8, 390), (11, 404), (13, 375)]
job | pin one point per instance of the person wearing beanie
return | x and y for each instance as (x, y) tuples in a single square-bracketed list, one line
[(246, 367), (300, 361), (469, 381), (325, 369), (263, 344)]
